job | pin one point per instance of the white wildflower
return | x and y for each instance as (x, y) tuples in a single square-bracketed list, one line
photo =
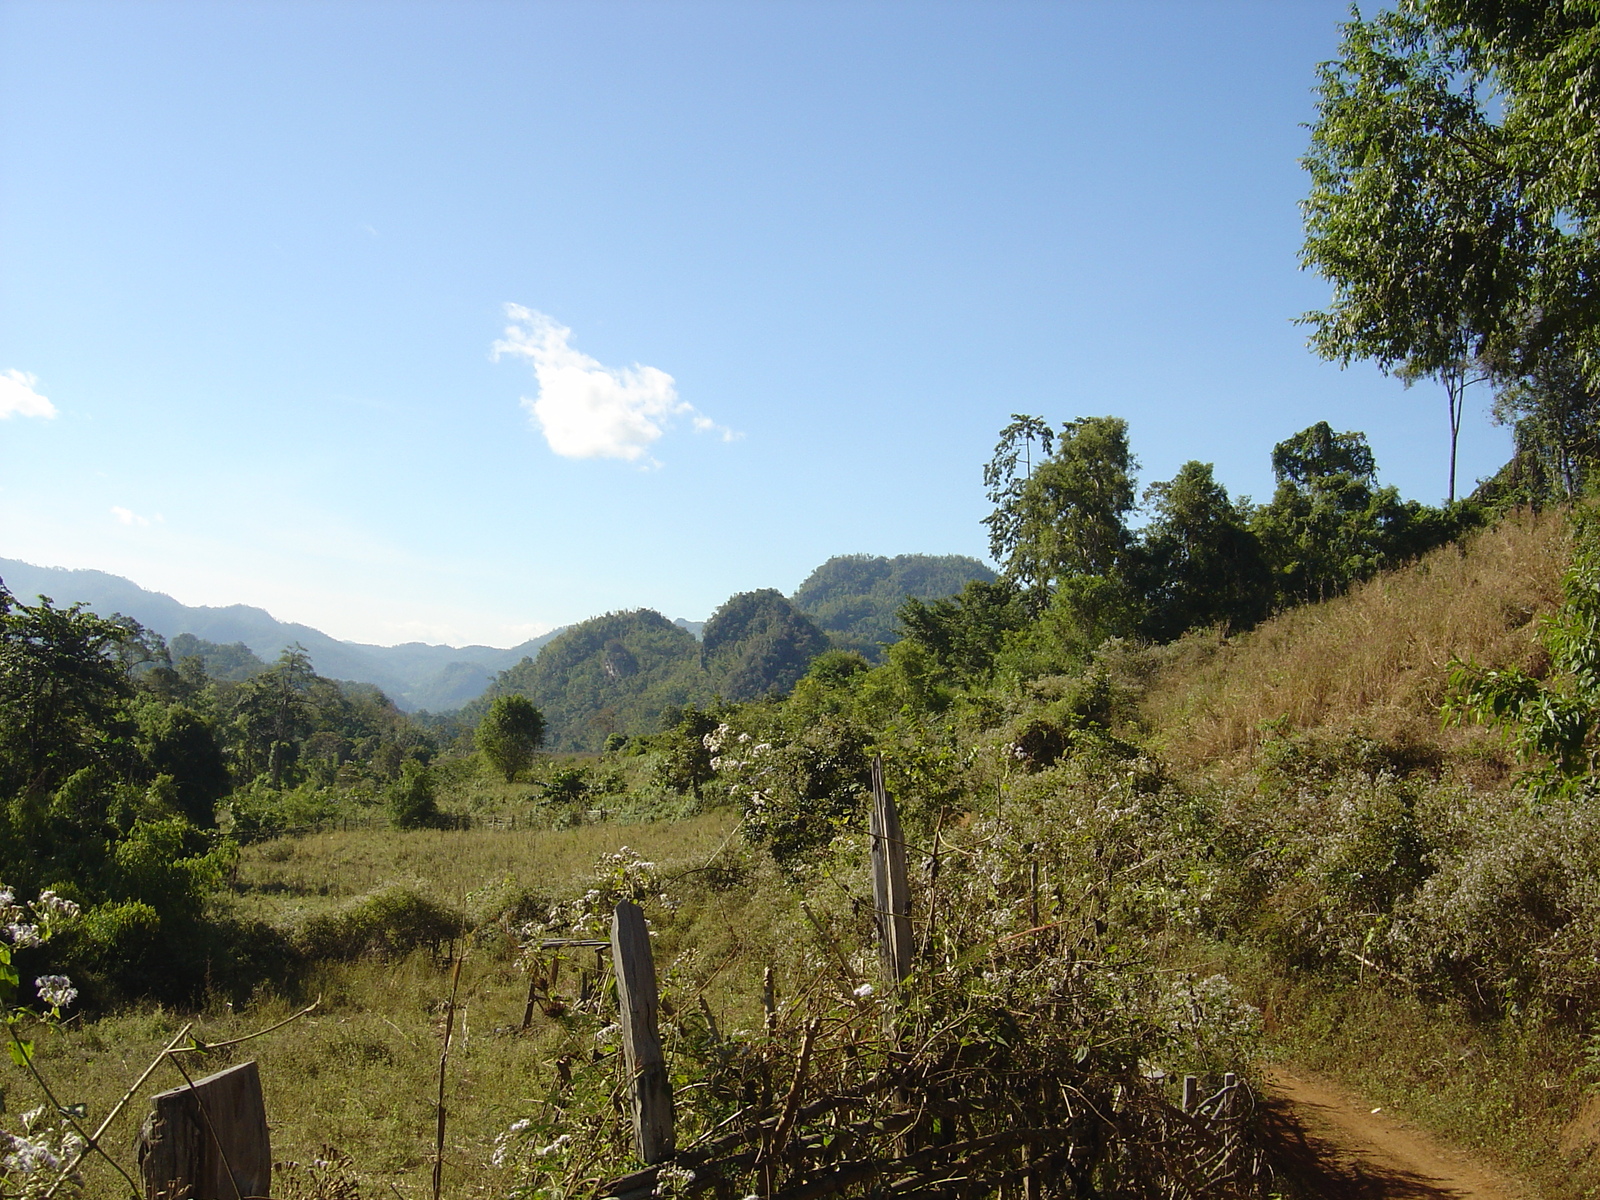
[(28, 1158), (22, 935), (56, 990), (561, 1143), (51, 905), (862, 992)]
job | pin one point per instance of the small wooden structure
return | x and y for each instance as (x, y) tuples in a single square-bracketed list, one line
[(637, 1002), (208, 1140), (891, 894)]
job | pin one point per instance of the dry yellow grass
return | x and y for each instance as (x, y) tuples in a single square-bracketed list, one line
[(1374, 660)]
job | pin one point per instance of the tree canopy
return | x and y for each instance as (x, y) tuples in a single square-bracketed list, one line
[(510, 734), (1453, 169)]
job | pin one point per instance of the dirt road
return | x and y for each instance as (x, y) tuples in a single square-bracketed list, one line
[(1338, 1148)]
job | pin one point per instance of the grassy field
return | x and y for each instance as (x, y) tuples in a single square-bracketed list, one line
[(360, 1073)]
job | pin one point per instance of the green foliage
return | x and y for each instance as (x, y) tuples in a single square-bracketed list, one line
[(684, 765), (1431, 245), (1329, 525), (233, 663), (1065, 516), (1552, 723), (388, 923), (1554, 412), (509, 734), (854, 598), (62, 691), (413, 802), (963, 634), (181, 745), (272, 715), (836, 668), (798, 789), (566, 786), (1200, 564), (757, 644)]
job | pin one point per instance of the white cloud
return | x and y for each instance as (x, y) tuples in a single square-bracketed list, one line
[(126, 516), (18, 399), (586, 409)]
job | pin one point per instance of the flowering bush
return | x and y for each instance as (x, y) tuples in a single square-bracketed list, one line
[(796, 792), (32, 1158)]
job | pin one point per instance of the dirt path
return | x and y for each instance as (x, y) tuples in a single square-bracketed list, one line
[(1337, 1147)]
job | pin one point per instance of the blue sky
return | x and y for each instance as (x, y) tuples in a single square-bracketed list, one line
[(780, 272)]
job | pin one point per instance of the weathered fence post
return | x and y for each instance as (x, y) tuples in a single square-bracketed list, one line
[(641, 1043), (1191, 1092), (891, 896), (208, 1140)]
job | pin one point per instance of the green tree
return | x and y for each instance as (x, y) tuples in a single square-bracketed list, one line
[(63, 691), (1065, 515), (686, 753), (413, 799), (1554, 412), (509, 734), (1330, 525), (180, 745), (1200, 563), (273, 714), (964, 634), (1416, 214)]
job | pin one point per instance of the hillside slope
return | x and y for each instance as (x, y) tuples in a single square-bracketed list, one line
[(1372, 661), (610, 674)]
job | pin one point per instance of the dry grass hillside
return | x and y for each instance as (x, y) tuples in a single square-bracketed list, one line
[(1374, 661)]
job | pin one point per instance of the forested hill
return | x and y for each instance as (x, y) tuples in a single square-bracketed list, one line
[(854, 597), (628, 673), (414, 675)]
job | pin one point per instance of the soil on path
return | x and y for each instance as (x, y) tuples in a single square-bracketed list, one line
[(1336, 1147)]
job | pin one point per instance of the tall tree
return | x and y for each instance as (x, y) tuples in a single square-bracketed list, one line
[(63, 686), (1067, 516), (1418, 214), (1330, 524), (1553, 409), (272, 715), (1200, 563)]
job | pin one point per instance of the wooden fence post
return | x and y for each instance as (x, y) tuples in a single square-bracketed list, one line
[(1191, 1092), (891, 896), (208, 1140), (641, 1043)]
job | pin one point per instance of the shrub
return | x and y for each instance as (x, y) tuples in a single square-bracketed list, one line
[(412, 801), (388, 923)]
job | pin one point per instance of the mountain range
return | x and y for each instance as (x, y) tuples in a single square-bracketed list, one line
[(852, 598), (415, 675)]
